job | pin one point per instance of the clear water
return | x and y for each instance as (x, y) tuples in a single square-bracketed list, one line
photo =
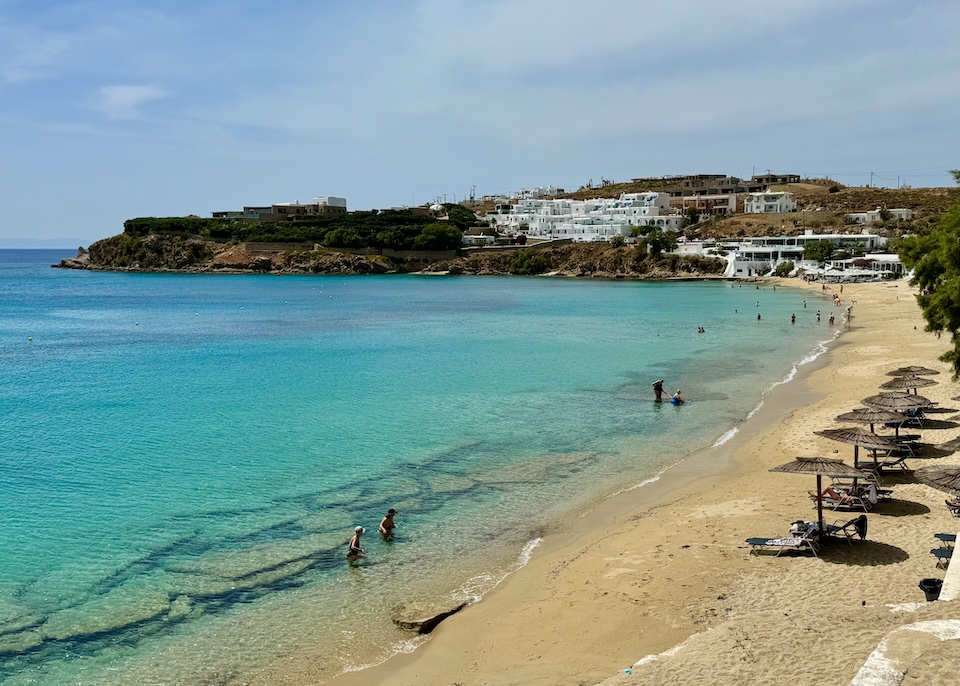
[(183, 457)]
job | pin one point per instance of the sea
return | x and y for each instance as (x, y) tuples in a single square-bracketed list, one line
[(183, 458)]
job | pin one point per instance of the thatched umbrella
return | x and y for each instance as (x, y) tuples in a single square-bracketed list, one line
[(942, 477), (950, 446), (859, 438), (870, 415), (913, 371), (821, 466), (908, 382), (895, 401)]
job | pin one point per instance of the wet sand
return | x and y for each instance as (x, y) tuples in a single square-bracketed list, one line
[(663, 570)]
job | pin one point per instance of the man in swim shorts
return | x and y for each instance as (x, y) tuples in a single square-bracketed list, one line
[(387, 526)]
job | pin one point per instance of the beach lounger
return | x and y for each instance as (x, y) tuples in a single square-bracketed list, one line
[(947, 539), (943, 556), (803, 543), (856, 527), (848, 502), (954, 509)]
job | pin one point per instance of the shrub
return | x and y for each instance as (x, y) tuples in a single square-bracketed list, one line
[(528, 262), (783, 269)]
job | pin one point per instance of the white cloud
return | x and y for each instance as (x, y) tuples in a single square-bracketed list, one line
[(125, 102)]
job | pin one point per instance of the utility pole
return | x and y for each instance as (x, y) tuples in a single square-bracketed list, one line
[(871, 181)]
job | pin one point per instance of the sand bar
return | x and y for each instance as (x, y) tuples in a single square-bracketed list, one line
[(659, 580)]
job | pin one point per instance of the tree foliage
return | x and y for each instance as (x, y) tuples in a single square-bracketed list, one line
[(529, 262), (935, 260), (819, 251), (784, 269), (654, 240), (399, 230)]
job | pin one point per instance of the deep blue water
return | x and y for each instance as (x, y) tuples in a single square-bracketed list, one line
[(184, 456)]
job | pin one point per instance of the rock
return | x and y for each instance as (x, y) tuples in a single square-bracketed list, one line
[(420, 621)]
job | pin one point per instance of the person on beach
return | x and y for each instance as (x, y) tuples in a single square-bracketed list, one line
[(658, 390), (387, 526), (676, 399), (355, 552), (804, 304), (793, 319), (830, 321), (818, 315)]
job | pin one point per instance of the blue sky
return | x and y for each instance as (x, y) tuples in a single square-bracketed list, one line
[(111, 109)]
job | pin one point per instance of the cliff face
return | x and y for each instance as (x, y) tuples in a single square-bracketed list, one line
[(169, 252)]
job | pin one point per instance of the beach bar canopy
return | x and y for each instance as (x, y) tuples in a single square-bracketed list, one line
[(821, 467)]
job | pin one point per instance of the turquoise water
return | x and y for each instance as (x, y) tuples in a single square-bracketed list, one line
[(184, 456)]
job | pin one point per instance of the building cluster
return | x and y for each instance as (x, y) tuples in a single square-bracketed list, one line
[(285, 211), (858, 255)]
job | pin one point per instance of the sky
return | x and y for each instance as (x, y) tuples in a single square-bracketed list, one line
[(112, 109)]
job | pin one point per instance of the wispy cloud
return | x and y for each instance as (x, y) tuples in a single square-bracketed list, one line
[(125, 101)]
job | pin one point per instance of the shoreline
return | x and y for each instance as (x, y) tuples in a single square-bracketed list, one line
[(652, 569)]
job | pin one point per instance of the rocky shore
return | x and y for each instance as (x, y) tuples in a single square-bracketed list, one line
[(177, 253)]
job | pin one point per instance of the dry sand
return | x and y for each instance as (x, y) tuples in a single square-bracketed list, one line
[(664, 571)]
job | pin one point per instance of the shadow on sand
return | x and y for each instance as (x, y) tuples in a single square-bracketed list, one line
[(862, 553), (899, 508)]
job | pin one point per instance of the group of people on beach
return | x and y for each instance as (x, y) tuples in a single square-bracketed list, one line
[(387, 525)]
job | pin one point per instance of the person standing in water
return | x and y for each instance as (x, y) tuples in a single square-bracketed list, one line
[(658, 390), (355, 552), (387, 526)]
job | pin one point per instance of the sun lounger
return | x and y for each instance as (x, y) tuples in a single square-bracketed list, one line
[(947, 539), (805, 542), (943, 556), (856, 527), (846, 501), (954, 509)]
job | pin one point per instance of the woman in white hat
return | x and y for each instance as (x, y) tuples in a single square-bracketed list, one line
[(355, 552)]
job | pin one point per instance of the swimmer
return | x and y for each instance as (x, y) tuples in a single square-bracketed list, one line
[(676, 399), (387, 526), (355, 552), (658, 390), (793, 319)]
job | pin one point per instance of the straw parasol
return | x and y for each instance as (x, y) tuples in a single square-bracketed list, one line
[(869, 415), (859, 438), (942, 477), (951, 446), (913, 371), (821, 467), (896, 401), (908, 382)]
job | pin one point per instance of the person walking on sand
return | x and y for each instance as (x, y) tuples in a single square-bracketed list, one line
[(355, 552), (658, 391), (387, 526)]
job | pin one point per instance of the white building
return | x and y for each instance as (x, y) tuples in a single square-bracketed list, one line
[(876, 215), (762, 254), (538, 192), (599, 219), (769, 201)]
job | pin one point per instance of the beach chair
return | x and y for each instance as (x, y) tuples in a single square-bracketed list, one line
[(845, 502), (914, 417), (947, 539), (805, 542), (856, 527), (943, 556), (954, 509)]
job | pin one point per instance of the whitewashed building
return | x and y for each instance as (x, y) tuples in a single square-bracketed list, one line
[(599, 219), (769, 201), (872, 217), (762, 254)]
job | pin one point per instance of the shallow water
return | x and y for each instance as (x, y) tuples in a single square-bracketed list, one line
[(185, 456)]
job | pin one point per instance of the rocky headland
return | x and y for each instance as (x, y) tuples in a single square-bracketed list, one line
[(178, 253)]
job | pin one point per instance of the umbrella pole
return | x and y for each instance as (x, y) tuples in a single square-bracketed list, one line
[(820, 531)]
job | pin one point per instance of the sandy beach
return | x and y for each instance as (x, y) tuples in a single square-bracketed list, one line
[(664, 571)]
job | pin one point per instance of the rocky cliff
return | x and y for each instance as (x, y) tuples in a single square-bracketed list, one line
[(169, 252)]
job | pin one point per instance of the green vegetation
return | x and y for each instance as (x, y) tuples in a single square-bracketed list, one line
[(397, 230), (935, 259), (529, 262), (654, 240), (819, 251), (783, 269)]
